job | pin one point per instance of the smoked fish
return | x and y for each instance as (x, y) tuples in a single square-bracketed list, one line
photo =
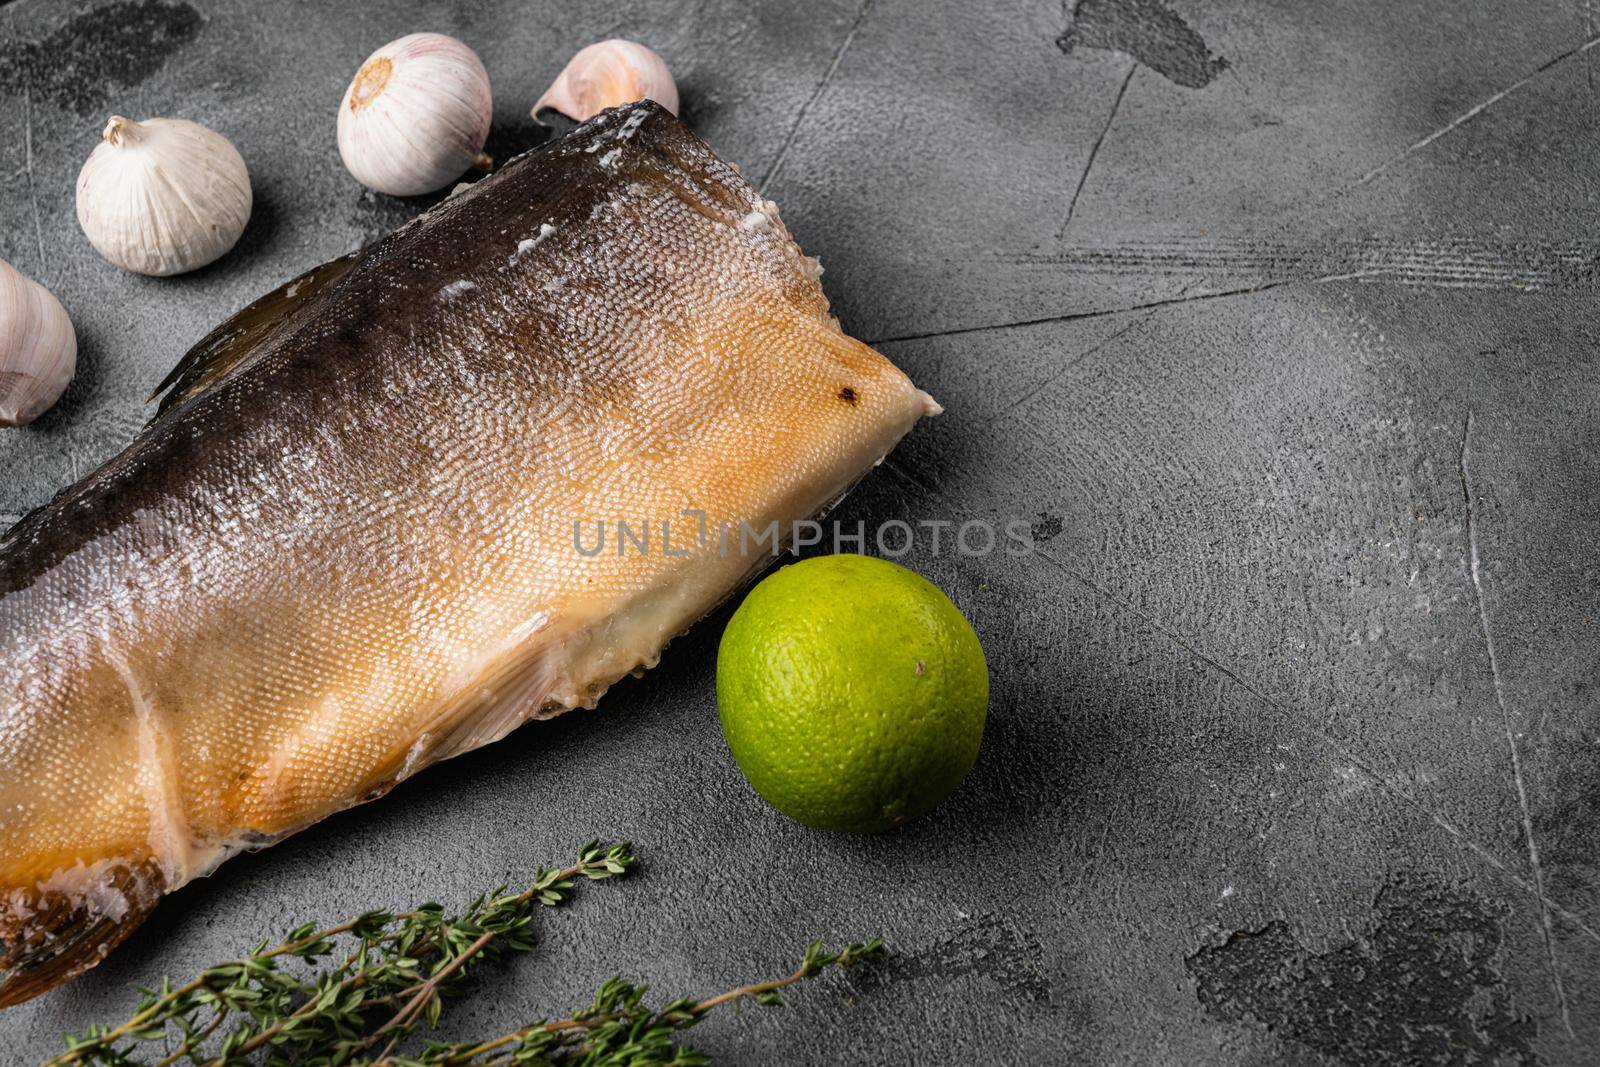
[(360, 535)]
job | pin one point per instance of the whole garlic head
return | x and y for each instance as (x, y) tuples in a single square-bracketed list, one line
[(416, 115), (607, 74), (38, 348), (163, 196)]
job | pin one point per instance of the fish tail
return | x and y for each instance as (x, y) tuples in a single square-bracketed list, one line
[(59, 928)]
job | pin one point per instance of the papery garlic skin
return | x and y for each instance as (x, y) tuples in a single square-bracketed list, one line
[(607, 74), (38, 348), (163, 196), (416, 115)]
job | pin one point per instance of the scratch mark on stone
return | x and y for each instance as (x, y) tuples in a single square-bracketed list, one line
[(1101, 313), (1073, 362), (1074, 316), (1505, 718), (1094, 150), (898, 468), (1388, 785), (27, 162), (1588, 61), (816, 94), (1470, 114)]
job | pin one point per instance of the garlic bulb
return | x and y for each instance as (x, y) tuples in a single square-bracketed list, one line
[(607, 74), (416, 115), (163, 196), (38, 348)]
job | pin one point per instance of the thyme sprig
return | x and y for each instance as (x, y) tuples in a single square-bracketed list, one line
[(402, 967), (358, 1009)]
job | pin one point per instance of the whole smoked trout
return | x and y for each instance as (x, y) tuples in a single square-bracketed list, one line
[(361, 534)]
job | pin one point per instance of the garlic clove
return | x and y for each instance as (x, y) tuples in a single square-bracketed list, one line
[(607, 74), (163, 196), (38, 348), (415, 116)]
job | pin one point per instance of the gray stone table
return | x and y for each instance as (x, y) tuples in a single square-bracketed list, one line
[(1277, 323)]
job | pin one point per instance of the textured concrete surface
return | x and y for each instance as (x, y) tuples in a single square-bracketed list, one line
[(1276, 321)]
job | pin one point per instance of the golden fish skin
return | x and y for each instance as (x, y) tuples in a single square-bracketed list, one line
[(345, 549)]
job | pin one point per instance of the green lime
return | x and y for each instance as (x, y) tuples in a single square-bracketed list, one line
[(852, 692)]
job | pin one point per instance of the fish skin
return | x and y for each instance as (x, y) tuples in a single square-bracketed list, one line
[(345, 548)]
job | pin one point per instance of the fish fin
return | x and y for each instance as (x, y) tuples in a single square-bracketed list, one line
[(513, 693), (242, 336), (52, 932)]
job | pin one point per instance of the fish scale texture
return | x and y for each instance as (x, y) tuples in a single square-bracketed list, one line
[(355, 549)]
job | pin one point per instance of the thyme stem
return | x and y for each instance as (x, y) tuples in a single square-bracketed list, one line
[(646, 1030)]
